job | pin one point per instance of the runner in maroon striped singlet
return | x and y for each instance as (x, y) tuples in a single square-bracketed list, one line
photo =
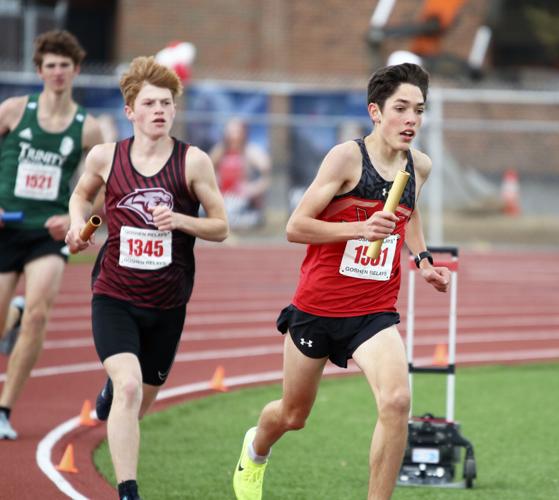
[(143, 277)]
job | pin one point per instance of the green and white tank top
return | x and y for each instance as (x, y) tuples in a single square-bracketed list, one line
[(36, 167)]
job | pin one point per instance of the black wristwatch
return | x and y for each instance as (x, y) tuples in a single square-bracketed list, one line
[(421, 256)]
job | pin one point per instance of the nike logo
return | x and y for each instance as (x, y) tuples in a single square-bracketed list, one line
[(240, 468)]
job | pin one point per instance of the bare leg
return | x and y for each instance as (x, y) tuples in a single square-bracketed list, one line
[(383, 361), (8, 315), (43, 277), (149, 394), (123, 428), (301, 378)]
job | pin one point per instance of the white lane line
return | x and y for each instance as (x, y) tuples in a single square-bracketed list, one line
[(43, 454), (221, 354), (203, 312), (44, 449), (220, 320), (483, 337), (43, 457), (264, 350)]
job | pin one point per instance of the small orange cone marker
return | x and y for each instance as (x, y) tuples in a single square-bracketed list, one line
[(217, 383), (440, 358), (67, 462), (510, 192), (85, 415)]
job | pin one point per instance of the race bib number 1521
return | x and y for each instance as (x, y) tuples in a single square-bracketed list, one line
[(37, 182)]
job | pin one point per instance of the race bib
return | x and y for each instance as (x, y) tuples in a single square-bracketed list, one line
[(356, 264), (147, 249), (37, 182)]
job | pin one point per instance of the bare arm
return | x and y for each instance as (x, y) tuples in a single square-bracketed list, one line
[(58, 225), (11, 111), (216, 153), (202, 183), (92, 134), (438, 277), (415, 239), (339, 170), (96, 171)]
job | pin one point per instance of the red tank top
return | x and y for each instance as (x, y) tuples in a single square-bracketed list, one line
[(139, 263), (231, 173), (338, 279)]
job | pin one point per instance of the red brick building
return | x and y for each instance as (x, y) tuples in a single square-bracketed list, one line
[(282, 40)]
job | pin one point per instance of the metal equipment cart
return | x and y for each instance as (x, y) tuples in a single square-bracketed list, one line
[(434, 443)]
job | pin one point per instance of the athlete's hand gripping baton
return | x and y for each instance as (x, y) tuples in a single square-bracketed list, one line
[(92, 224), (391, 204)]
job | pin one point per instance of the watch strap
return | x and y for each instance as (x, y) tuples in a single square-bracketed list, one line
[(423, 255)]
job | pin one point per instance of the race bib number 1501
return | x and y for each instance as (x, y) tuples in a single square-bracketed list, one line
[(356, 264)]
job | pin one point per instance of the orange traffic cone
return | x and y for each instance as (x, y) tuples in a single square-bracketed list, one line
[(85, 415), (217, 383), (67, 462), (510, 192), (440, 358)]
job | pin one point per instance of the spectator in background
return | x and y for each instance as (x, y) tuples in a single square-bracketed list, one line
[(243, 172)]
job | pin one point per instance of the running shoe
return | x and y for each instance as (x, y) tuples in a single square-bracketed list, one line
[(8, 342), (6, 430), (104, 401), (248, 476)]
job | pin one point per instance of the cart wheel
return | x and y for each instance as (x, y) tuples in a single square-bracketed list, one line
[(469, 472)]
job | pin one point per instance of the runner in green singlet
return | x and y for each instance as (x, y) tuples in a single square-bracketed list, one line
[(45, 136)]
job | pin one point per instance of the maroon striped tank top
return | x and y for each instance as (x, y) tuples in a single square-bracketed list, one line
[(139, 263)]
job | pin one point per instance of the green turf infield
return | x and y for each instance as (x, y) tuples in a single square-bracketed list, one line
[(509, 413)]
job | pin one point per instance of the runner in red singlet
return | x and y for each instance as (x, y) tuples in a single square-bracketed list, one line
[(143, 278), (345, 303)]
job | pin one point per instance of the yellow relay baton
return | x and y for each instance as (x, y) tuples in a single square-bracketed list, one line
[(391, 204)]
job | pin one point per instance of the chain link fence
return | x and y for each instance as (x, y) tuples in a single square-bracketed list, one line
[(495, 153)]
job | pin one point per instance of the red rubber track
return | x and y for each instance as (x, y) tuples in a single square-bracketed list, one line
[(507, 312)]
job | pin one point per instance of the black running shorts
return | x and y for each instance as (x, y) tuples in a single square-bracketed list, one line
[(153, 335), (337, 338), (18, 247)]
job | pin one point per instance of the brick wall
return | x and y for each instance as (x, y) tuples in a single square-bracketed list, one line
[(280, 39), (289, 38)]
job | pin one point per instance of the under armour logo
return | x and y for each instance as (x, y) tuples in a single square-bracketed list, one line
[(384, 192), (308, 343)]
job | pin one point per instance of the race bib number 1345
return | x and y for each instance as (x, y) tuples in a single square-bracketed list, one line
[(145, 248)]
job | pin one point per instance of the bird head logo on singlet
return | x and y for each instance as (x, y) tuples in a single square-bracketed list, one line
[(141, 200)]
